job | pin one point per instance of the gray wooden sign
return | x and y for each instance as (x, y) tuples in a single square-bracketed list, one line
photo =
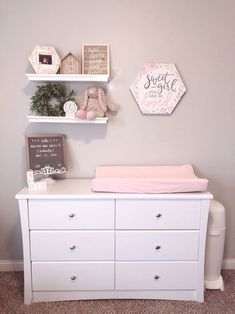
[(45, 154)]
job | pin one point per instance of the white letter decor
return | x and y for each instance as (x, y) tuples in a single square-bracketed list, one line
[(158, 88)]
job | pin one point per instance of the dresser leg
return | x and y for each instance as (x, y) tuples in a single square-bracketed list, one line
[(26, 250)]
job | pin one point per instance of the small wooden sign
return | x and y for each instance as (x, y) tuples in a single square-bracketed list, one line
[(95, 59), (45, 154), (70, 65)]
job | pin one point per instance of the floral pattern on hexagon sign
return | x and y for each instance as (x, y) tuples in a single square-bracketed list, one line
[(158, 88)]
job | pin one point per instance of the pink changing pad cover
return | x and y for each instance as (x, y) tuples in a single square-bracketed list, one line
[(148, 179)]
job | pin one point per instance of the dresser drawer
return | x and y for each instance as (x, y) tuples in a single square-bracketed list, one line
[(69, 276), (156, 276), (71, 214), (157, 214), (72, 245), (157, 245)]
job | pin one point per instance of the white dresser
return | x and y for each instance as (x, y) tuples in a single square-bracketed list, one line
[(84, 245)]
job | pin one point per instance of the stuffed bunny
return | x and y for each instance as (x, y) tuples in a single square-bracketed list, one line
[(94, 104)]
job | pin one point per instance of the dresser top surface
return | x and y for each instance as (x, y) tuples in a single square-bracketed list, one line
[(81, 189)]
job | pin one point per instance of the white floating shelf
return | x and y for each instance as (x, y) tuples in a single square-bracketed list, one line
[(46, 119), (67, 77)]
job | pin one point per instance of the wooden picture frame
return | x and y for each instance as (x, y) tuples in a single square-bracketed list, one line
[(95, 59), (45, 154), (44, 60)]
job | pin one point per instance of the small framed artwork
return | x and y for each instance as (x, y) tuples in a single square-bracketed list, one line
[(158, 88), (44, 60), (45, 154), (95, 59)]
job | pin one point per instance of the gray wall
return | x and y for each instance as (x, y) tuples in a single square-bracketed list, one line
[(198, 36)]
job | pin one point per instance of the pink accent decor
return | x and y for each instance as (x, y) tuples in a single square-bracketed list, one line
[(148, 179), (81, 114)]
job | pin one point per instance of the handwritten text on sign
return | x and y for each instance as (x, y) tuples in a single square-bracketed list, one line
[(95, 59), (158, 88), (46, 154)]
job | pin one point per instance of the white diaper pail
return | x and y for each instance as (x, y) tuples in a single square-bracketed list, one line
[(215, 246)]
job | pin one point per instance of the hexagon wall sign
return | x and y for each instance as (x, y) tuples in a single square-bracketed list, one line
[(44, 60), (158, 88)]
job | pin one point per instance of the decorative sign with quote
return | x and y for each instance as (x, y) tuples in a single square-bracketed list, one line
[(158, 88), (45, 154), (95, 59)]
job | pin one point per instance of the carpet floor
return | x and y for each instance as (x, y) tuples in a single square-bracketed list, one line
[(216, 302)]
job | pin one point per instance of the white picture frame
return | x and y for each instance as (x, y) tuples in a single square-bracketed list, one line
[(44, 60)]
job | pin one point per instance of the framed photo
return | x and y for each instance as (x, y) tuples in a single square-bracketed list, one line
[(95, 59), (45, 60), (45, 154)]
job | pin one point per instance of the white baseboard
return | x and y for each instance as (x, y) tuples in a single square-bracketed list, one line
[(14, 265), (229, 263)]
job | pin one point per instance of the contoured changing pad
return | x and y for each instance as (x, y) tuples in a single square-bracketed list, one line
[(147, 179)]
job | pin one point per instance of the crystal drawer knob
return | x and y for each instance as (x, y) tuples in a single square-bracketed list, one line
[(72, 247), (71, 215), (156, 277), (157, 247), (159, 215), (73, 277)]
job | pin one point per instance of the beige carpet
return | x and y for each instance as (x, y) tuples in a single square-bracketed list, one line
[(11, 301)]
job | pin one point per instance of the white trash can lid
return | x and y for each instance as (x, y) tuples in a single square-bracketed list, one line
[(216, 219)]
